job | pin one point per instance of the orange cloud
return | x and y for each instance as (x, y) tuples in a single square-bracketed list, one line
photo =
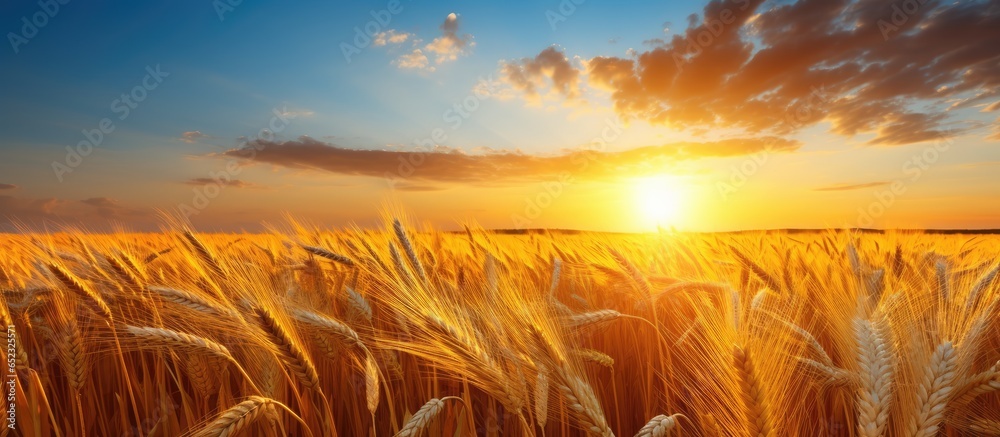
[(530, 75), (235, 183), (447, 165), (849, 187), (776, 69)]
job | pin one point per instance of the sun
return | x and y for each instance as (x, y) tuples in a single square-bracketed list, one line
[(659, 200)]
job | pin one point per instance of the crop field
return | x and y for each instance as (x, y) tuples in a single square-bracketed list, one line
[(411, 332)]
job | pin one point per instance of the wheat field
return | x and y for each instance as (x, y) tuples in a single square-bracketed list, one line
[(410, 331)]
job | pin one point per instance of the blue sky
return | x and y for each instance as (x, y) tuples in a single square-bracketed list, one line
[(226, 75)]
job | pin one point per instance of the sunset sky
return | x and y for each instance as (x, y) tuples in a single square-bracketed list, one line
[(578, 114)]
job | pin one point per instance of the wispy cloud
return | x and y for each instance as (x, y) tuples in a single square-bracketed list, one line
[(390, 36), (849, 187), (7, 186), (192, 137), (235, 183)]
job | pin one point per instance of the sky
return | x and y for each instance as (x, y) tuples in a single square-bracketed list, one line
[(578, 114)]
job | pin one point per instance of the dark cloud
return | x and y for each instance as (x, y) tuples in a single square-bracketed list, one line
[(849, 187), (451, 165), (7, 186), (235, 183), (775, 67)]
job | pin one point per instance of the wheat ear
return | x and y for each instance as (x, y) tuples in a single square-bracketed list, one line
[(242, 415), (404, 240), (542, 396), (659, 426), (977, 385), (932, 396), (70, 348), (324, 253), (592, 318), (753, 395), (985, 427), (193, 301), (290, 352), (76, 285), (423, 417), (875, 378)]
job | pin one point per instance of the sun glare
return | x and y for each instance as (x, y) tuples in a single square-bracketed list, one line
[(660, 200)]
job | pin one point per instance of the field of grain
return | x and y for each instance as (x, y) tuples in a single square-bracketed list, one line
[(405, 331)]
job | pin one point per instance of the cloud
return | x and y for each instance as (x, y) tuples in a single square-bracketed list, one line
[(532, 75), (192, 137), (296, 113), (776, 67), (450, 46), (414, 60), (390, 37), (235, 183), (445, 48), (92, 212), (448, 165), (7, 186), (101, 202), (849, 187), (991, 107), (995, 134)]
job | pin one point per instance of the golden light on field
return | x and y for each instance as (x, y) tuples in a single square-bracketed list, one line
[(660, 200)]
